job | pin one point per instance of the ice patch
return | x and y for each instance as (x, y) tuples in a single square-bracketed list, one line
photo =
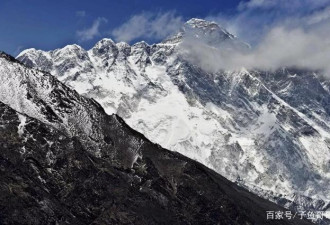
[(21, 126)]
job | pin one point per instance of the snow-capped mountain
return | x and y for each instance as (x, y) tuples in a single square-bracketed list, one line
[(267, 130), (63, 160)]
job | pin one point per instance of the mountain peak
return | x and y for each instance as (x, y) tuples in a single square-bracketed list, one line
[(105, 46), (200, 23), (200, 29), (7, 57), (142, 44), (122, 44), (104, 42), (206, 26), (28, 50), (72, 47)]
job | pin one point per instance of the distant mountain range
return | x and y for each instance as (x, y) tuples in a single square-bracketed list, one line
[(268, 131)]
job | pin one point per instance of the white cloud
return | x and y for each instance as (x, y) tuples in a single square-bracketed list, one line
[(319, 16), (293, 41), (255, 4), (255, 18), (281, 47), (91, 32), (291, 5), (148, 25)]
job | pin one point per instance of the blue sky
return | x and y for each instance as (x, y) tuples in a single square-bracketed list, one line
[(52, 24), (48, 24)]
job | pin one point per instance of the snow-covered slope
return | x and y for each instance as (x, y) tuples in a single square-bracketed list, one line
[(269, 131), (54, 172), (41, 96)]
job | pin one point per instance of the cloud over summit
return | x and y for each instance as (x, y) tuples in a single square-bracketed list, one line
[(300, 39)]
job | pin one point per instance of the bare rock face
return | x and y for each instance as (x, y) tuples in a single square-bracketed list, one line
[(63, 160)]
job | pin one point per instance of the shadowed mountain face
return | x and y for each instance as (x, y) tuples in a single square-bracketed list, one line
[(267, 130), (63, 160)]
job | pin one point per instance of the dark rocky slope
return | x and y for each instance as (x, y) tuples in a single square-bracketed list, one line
[(55, 172)]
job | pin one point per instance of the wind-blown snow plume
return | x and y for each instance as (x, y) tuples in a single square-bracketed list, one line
[(292, 41), (280, 48)]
